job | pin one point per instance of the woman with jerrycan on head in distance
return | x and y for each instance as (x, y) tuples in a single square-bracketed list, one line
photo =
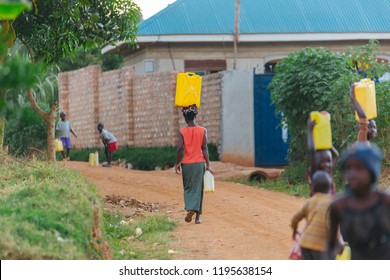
[(192, 140)]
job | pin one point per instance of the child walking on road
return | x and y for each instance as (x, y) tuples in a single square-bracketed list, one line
[(109, 142), (314, 238), (321, 160), (64, 129), (363, 214)]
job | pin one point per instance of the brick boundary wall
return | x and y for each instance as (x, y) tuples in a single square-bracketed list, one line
[(138, 110)]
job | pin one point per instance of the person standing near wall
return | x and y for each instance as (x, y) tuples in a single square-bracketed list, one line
[(192, 140), (64, 129), (109, 142)]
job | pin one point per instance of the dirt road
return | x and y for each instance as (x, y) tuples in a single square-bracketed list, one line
[(239, 222)]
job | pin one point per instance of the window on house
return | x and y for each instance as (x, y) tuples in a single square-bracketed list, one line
[(383, 60), (269, 67), (149, 66), (204, 67)]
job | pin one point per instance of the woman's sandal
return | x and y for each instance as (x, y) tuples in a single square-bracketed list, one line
[(198, 221), (188, 218)]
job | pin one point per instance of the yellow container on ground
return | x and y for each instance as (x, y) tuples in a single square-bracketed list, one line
[(322, 132), (188, 89), (365, 95), (208, 181), (59, 146), (92, 159)]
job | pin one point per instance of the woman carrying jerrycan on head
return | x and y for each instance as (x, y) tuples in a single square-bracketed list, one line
[(192, 140), (367, 126), (363, 99), (323, 158), (323, 154)]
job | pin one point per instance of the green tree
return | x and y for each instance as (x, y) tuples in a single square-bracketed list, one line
[(319, 80), (305, 81), (383, 120), (54, 29), (9, 10), (84, 57)]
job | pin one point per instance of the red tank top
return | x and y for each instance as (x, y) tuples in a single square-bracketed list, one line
[(193, 139)]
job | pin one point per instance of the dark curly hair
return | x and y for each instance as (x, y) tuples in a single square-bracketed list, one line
[(190, 112)]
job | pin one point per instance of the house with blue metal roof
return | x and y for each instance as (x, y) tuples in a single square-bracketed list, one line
[(199, 35)]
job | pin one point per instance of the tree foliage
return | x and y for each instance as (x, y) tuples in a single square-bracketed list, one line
[(83, 58), (319, 80), (25, 130), (383, 119), (55, 28), (305, 81)]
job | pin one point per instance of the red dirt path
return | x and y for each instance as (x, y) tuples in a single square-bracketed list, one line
[(239, 222)]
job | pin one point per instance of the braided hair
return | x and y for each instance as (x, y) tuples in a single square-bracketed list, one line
[(190, 112)]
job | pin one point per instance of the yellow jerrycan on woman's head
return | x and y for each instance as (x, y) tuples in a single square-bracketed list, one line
[(322, 132), (365, 95), (188, 89)]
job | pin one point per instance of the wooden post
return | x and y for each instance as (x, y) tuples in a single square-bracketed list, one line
[(236, 32)]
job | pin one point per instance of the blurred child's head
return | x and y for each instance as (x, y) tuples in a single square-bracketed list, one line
[(371, 130), (361, 166), (322, 182), (100, 126), (189, 113), (63, 116), (323, 160)]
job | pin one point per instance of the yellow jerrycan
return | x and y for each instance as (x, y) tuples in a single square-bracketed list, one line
[(188, 89), (345, 255), (322, 132), (92, 158), (365, 95), (59, 146), (208, 182)]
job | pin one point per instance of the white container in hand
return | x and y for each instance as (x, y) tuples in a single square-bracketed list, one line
[(208, 181), (97, 158)]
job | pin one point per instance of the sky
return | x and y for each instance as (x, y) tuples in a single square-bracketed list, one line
[(151, 7)]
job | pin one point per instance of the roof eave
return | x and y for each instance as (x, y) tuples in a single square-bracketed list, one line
[(274, 37)]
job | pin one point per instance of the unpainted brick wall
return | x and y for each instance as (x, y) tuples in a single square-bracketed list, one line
[(79, 99), (138, 110)]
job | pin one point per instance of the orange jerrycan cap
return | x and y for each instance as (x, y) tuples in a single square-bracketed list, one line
[(325, 113)]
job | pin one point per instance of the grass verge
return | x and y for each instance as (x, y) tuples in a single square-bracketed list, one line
[(141, 158), (300, 190), (153, 243), (46, 212)]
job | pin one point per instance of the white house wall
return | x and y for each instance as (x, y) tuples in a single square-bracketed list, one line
[(250, 55), (237, 126)]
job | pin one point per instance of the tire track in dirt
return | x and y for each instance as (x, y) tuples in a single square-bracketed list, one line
[(239, 222)]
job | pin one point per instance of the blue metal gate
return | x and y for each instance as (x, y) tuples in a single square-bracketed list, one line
[(271, 139)]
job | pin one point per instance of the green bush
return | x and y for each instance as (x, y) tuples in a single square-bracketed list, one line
[(319, 80), (306, 81), (295, 173), (24, 130), (46, 212), (85, 57), (141, 158), (383, 120)]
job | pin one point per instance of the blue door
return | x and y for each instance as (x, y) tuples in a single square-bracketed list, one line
[(271, 138)]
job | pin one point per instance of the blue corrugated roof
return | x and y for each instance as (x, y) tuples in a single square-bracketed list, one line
[(270, 16)]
